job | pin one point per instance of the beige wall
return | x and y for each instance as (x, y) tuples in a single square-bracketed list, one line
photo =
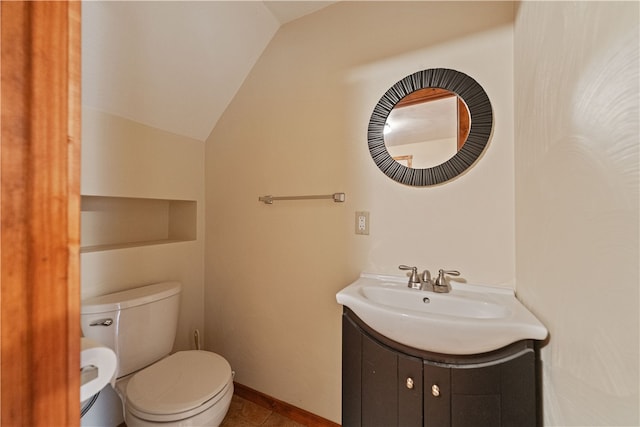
[(127, 159), (576, 70), (298, 126)]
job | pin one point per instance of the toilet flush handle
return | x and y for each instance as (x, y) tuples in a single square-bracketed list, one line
[(101, 322)]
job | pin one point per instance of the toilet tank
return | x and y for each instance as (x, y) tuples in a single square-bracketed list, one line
[(138, 324)]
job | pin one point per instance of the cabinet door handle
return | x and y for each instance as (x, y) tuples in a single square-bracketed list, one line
[(435, 390), (410, 383)]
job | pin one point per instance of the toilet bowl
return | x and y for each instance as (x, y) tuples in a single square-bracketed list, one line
[(186, 388)]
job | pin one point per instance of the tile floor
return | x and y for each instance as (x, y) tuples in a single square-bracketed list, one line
[(243, 413)]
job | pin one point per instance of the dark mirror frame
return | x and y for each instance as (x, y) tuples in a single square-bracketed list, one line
[(481, 124)]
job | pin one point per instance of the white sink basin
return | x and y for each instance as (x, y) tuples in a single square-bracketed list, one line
[(470, 319)]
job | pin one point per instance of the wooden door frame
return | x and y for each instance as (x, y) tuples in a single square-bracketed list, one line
[(40, 213)]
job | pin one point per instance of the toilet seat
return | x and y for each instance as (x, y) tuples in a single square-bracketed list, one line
[(179, 386)]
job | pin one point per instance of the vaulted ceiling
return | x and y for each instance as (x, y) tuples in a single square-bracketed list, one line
[(176, 65)]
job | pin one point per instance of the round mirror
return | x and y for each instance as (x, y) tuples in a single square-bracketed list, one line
[(430, 127)]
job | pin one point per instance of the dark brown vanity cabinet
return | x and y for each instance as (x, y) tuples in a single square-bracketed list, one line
[(386, 384)]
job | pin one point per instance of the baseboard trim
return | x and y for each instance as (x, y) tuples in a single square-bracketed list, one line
[(283, 408)]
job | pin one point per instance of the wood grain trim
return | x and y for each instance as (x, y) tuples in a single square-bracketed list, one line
[(39, 196), (74, 129), (424, 95), (283, 408)]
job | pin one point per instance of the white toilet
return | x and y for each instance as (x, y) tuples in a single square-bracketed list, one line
[(187, 388)]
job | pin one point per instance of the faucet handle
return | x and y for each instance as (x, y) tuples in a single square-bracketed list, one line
[(441, 280), (414, 280), (449, 272)]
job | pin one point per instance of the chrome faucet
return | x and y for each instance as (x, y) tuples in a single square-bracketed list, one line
[(424, 281)]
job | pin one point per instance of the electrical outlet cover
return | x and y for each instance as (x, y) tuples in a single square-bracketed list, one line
[(362, 222)]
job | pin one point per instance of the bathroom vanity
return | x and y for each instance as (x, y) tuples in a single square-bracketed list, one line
[(417, 358), (388, 384)]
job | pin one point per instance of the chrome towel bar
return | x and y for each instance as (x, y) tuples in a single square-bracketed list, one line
[(337, 197)]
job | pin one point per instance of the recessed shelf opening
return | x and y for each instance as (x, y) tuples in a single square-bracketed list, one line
[(120, 222)]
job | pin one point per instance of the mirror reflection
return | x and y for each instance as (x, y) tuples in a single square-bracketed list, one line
[(426, 128)]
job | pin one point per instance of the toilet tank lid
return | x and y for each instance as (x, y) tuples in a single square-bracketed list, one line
[(129, 298)]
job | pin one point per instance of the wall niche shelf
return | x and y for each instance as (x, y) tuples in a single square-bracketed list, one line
[(123, 222)]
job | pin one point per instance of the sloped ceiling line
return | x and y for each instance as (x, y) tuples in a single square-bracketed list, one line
[(176, 66)]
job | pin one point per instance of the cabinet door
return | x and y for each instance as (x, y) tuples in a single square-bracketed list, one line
[(437, 396), (379, 385), (409, 391), (500, 395), (519, 391), (475, 396), (351, 374)]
